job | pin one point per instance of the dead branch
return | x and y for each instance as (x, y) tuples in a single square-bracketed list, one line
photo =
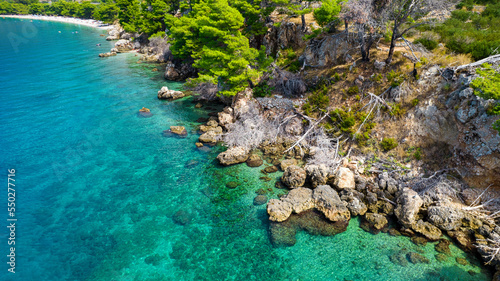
[(307, 132), (490, 59)]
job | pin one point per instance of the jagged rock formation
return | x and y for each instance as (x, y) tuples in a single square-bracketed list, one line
[(164, 93)]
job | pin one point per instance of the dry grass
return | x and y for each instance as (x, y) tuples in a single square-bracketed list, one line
[(442, 58)]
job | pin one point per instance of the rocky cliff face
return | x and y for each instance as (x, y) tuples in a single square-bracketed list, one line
[(285, 36), (328, 50), (459, 119)]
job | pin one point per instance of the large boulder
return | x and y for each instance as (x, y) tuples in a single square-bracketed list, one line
[(408, 206), (445, 217), (327, 200), (165, 93), (233, 155), (428, 230), (178, 69), (294, 176), (279, 210), (124, 45), (300, 198), (344, 178), (178, 130), (377, 221), (317, 174), (209, 137), (286, 163), (226, 117), (356, 207)]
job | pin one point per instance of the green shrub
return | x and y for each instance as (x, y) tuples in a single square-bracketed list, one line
[(415, 102), (397, 111), (429, 44), (317, 101), (353, 90), (388, 144), (395, 78), (336, 76), (496, 126), (487, 85), (262, 90), (494, 110), (447, 87)]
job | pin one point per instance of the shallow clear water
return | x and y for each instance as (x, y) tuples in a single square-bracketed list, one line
[(98, 186)]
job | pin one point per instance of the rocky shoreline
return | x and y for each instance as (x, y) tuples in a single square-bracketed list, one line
[(322, 200)]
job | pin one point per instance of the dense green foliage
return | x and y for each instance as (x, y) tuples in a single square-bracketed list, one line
[(429, 44), (210, 34), (328, 11), (470, 32), (487, 85), (106, 12), (316, 102), (388, 144)]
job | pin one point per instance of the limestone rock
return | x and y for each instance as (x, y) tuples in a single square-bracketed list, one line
[(105, 55), (286, 163), (179, 70), (279, 210), (260, 200), (124, 45), (254, 161), (327, 200), (408, 206), (378, 221), (445, 217), (294, 176), (344, 178), (165, 93), (233, 155), (208, 137), (226, 117), (294, 127), (428, 230), (356, 207), (318, 174), (300, 199), (178, 130), (270, 169)]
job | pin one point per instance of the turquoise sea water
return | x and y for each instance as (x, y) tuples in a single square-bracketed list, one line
[(101, 194)]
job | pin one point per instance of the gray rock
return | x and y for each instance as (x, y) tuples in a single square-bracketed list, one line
[(445, 217), (327, 201), (318, 174), (408, 206), (233, 155), (294, 176)]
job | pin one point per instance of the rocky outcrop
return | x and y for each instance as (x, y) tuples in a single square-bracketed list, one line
[(294, 176), (377, 221), (445, 217), (327, 200), (124, 45), (279, 210), (344, 178), (209, 137), (233, 155), (114, 33), (178, 130), (286, 163), (460, 121), (108, 54), (226, 117), (164, 93), (428, 230), (327, 50), (179, 70), (408, 206), (287, 35), (317, 174), (324, 199)]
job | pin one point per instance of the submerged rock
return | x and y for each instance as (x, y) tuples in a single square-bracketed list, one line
[(294, 176), (399, 258), (279, 210), (443, 246), (428, 230), (417, 258), (145, 112), (233, 155), (182, 217), (377, 221), (270, 169), (260, 200), (254, 161)]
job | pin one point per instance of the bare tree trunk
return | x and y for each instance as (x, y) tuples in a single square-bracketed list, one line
[(362, 44), (303, 18), (368, 46), (393, 44)]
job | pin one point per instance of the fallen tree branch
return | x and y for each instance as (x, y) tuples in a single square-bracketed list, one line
[(306, 133), (489, 59)]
